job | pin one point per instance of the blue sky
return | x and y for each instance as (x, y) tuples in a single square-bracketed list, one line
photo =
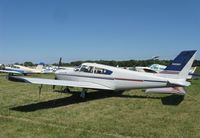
[(44, 30)]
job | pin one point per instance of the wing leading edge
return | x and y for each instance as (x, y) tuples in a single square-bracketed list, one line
[(88, 85), (9, 71)]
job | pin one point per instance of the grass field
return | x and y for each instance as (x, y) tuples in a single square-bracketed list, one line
[(103, 114)]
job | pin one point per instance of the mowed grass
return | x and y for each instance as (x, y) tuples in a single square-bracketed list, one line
[(102, 114)]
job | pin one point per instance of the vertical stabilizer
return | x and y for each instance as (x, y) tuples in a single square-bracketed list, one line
[(182, 64)]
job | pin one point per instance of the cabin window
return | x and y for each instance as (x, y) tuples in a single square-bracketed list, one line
[(102, 71), (77, 68), (88, 69)]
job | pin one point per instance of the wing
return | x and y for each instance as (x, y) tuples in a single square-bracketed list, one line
[(58, 82), (9, 71)]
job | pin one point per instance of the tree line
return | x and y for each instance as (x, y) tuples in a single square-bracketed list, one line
[(125, 63)]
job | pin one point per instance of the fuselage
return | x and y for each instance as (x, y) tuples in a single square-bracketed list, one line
[(112, 77)]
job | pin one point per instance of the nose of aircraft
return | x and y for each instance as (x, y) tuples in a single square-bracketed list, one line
[(60, 73)]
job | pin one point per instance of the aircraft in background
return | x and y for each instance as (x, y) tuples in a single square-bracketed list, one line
[(157, 68), (53, 69), (19, 69), (97, 76), (154, 68)]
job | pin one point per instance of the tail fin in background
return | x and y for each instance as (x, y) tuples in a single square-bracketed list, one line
[(181, 65), (39, 67)]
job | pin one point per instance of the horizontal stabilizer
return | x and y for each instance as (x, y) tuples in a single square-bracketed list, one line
[(168, 90)]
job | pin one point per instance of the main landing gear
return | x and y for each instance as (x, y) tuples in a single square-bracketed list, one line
[(82, 94), (67, 90)]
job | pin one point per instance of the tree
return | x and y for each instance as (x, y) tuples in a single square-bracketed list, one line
[(28, 63)]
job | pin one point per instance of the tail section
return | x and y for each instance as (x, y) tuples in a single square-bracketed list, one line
[(181, 65), (39, 67)]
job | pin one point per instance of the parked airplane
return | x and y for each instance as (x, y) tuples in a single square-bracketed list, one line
[(97, 76), (157, 68), (18, 69), (53, 69), (5, 69)]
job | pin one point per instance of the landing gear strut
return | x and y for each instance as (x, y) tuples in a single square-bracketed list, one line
[(83, 93), (67, 90), (40, 90)]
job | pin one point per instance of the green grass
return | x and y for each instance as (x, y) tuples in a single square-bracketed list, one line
[(197, 71), (103, 114)]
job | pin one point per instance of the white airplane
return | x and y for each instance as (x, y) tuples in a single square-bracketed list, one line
[(36, 70), (97, 76), (53, 69), (18, 69), (6, 69)]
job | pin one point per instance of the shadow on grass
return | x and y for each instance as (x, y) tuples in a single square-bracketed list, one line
[(75, 98), (172, 99)]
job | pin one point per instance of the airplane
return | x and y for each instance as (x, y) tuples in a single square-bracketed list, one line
[(6, 69), (19, 69), (36, 70), (157, 68), (53, 69), (154, 68), (171, 80)]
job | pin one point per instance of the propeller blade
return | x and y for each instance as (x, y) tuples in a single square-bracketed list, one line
[(60, 62)]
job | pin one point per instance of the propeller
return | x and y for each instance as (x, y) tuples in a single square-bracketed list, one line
[(60, 62), (54, 86)]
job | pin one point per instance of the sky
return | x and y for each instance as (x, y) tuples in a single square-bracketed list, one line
[(44, 30)]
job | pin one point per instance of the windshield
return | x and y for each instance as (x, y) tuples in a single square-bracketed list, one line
[(88, 69), (77, 68)]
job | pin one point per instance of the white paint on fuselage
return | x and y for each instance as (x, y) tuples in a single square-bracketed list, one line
[(120, 79)]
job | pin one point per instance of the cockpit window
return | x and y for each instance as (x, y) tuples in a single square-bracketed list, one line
[(102, 71), (96, 70), (15, 67), (88, 69), (77, 68)]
